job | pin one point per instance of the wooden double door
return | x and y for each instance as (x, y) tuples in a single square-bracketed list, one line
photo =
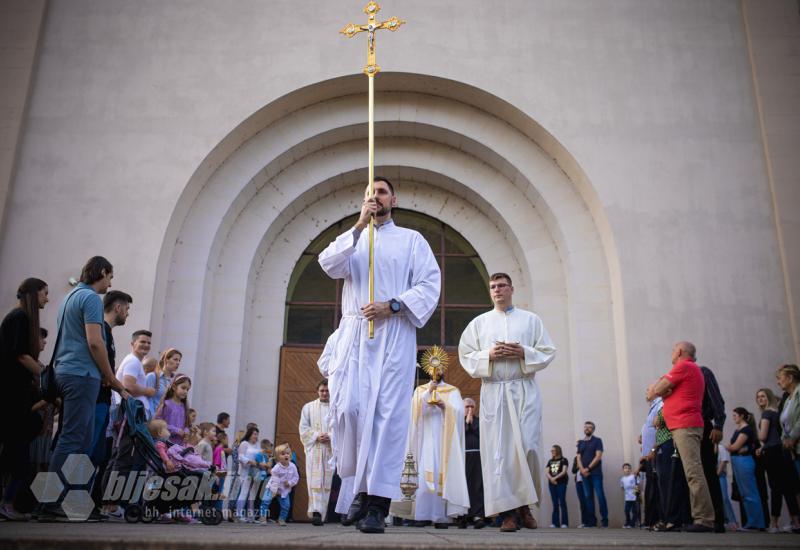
[(297, 385)]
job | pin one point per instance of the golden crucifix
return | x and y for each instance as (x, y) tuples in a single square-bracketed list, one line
[(371, 69)]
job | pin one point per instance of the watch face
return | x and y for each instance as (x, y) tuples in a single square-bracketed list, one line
[(395, 306)]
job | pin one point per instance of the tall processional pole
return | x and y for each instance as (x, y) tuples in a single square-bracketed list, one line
[(371, 69)]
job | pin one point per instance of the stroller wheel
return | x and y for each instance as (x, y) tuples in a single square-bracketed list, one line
[(210, 515), (148, 514), (133, 513)]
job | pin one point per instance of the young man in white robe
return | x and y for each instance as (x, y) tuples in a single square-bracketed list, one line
[(505, 347), (315, 435), (371, 378), (436, 441)]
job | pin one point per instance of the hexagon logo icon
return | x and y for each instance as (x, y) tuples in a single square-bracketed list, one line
[(77, 505), (77, 469), (47, 487)]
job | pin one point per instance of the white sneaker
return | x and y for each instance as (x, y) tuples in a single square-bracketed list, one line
[(581, 526), (117, 515), (565, 526), (773, 530), (552, 526)]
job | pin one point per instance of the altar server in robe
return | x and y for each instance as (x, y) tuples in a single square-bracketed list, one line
[(505, 347), (436, 441), (370, 379), (315, 435)]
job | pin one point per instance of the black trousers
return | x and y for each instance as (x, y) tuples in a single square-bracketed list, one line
[(782, 477), (652, 506), (709, 460), (761, 482), (672, 486), (474, 484), (378, 504)]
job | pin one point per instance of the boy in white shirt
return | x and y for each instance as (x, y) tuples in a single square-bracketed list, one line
[(629, 484)]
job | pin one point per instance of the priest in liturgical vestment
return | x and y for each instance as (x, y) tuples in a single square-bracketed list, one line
[(505, 347), (315, 435), (436, 441), (370, 378)]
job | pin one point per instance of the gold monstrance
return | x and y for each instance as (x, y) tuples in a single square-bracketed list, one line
[(371, 69)]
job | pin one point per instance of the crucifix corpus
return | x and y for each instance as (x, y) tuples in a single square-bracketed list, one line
[(371, 69)]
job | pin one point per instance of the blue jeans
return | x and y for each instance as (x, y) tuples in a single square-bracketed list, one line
[(730, 517), (558, 493), (630, 513), (266, 500), (98, 447), (744, 469), (593, 484), (581, 500), (79, 395)]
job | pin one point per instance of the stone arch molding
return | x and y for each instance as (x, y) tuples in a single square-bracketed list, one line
[(457, 153)]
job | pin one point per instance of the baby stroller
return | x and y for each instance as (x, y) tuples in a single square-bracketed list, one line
[(165, 492)]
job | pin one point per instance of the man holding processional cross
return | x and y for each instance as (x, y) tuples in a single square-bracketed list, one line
[(391, 288), (370, 379)]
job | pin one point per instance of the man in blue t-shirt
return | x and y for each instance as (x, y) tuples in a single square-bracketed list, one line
[(81, 363), (590, 465)]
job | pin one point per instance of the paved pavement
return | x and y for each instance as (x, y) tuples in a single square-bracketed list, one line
[(108, 536)]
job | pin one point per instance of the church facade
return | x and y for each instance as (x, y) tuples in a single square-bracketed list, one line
[(631, 164)]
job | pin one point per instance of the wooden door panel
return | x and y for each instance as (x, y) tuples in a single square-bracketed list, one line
[(297, 385)]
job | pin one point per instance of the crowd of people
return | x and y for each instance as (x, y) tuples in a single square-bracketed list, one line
[(681, 485), (470, 465), (75, 405)]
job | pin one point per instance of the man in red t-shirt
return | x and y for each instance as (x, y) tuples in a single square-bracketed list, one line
[(682, 389)]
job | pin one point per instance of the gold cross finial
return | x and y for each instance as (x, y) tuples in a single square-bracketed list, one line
[(351, 29)]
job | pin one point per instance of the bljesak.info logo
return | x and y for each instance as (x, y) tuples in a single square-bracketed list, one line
[(72, 484)]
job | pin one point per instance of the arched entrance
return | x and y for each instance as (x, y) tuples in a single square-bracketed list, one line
[(455, 153), (313, 309)]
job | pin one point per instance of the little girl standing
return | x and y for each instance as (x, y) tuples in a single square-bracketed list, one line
[(284, 477), (174, 409)]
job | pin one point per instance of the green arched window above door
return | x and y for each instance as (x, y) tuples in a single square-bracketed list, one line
[(313, 299)]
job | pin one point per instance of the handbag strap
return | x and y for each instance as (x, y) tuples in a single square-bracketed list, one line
[(61, 328)]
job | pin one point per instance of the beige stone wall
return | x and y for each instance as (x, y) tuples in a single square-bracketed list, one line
[(20, 25), (773, 32)]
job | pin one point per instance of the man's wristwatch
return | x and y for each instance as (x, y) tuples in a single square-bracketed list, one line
[(394, 305)]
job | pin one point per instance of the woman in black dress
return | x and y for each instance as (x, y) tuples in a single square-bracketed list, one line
[(19, 354)]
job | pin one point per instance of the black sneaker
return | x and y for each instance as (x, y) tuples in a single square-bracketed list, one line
[(373, 523), (441, 525), (316, 519), (479, 524), (50, 514), (422, 523)]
